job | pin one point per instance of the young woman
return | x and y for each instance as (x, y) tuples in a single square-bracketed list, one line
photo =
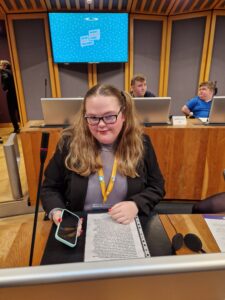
[(103, 161)]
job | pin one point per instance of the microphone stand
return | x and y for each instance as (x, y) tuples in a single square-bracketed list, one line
[(45, 87), (45, 136)]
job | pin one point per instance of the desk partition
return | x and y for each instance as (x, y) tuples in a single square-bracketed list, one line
[(176, 277), (12, 157)]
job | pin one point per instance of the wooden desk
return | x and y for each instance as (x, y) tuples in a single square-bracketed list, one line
[(15, 237), (31, 141), (191, 158), (190, 224)]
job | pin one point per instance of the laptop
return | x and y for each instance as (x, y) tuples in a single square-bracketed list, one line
[(153, 110), (60, 111), (217, 111)]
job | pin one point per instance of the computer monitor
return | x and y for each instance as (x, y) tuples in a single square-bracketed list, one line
[(60, 111), (217, 111), (89, 37), (153, 110)]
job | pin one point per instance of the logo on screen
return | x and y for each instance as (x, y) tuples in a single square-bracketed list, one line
[(89, 40)]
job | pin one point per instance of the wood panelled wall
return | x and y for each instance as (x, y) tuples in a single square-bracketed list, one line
[(153, 7), (96, 73)]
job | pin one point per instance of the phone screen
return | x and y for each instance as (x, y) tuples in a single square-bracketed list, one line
[(67, 229)]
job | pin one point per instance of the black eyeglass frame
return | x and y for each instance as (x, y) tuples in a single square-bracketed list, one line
[(104, 118)]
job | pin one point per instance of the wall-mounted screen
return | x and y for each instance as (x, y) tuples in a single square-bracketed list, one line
[(89, 37)]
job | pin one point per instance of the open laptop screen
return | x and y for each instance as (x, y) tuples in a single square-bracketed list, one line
[(153, 110), (217, 111), (60, 111)]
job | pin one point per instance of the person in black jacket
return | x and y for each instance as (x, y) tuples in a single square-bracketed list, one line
[(139, 87), (9, 86), (103, 161)]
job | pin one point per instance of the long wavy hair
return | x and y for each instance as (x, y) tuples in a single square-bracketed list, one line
[(84, 150)]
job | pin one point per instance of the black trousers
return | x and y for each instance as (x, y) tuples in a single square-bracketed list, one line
[(13, 111)]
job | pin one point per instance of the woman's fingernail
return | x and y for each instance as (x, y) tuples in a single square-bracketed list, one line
[(59, 220)]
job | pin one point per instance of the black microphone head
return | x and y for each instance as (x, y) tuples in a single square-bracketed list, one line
[(215, 88), (177, 241), (44, 146), (193, 242)]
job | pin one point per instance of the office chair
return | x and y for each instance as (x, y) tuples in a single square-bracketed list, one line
[(212, 204)]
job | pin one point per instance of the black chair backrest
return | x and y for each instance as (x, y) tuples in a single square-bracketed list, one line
[(212, 204)]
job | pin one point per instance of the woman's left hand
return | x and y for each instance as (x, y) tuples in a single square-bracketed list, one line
[(124, 212)]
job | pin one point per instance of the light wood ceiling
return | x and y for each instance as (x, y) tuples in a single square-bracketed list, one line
[(153, 7)]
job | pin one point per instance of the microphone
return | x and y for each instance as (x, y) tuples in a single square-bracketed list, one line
[(177, 242), (43, 155), (215, 88), (191, 241), (46, 81)]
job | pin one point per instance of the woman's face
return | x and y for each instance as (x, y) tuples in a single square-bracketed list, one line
[(104, 106)]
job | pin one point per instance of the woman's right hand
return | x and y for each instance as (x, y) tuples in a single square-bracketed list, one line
[(57, 217)]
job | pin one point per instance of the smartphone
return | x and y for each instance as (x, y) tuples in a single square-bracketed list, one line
[(66, 231)]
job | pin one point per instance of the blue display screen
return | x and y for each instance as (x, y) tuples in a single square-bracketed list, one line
[(89, 37)]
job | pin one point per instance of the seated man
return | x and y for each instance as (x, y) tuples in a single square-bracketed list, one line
[(199, 106), (139, 87)]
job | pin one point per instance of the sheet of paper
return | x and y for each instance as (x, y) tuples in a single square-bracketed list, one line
[(217, 227), (203, 119), (108, 240)]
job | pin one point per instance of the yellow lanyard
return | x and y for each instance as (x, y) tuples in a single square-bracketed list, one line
[(106, 192)]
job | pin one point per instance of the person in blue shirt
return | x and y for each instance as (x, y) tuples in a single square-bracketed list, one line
[(199, 106), (139, 87)]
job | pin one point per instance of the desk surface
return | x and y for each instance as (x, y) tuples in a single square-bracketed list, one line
[(191, 123), (15, 237)]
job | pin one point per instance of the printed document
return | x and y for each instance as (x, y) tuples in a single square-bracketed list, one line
[(107, 240), (217, 227)]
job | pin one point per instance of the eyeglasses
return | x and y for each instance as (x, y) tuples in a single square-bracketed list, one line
[(110, 119)]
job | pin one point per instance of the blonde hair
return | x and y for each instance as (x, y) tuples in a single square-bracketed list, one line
[(138, 77), (4, 63), (83, 157), (209, 84)]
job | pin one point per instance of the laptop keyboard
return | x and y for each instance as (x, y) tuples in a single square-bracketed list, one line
[(50, 126), (149, 124)]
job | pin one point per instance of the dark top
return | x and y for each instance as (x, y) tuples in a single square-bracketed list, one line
[(63, 188), (8, 84), (149, 94)]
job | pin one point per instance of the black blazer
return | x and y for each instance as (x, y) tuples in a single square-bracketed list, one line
[(63, 188)]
